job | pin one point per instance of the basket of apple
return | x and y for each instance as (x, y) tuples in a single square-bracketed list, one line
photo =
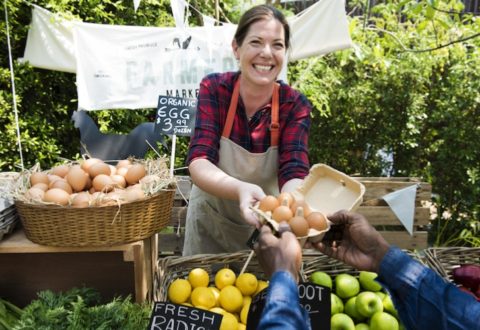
[(459, 265), (358, 302)]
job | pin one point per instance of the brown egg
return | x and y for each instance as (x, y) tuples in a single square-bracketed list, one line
[(62, 184), (317, 221), (60, 170), (34, 194), (99, 168), (39, 177), (285, 198), (134, 194), (119, 181), (135, 173), (282, 213), (299, 226), (122, 171), (86, 164), (268, 203), (103, 183), (52, 178), (41, 185), (82, 199), (77, 178), (57, 196), (124, 163), (301, 203), (113, 169)]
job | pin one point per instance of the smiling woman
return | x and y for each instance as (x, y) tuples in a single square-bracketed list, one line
[(250, 139)]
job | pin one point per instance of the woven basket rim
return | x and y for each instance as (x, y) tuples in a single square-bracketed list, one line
[(60, 207)]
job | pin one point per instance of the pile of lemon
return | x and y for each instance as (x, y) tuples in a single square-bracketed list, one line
[(230, 295)]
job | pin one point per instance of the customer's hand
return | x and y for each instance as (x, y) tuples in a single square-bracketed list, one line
[(279, 253), (249, 194), (354, 241)]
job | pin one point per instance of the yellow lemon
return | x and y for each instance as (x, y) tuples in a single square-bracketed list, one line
[(244, 313), (247, 283), (241, 326), (198, 277), (247, 300), (224, 277), (187, 304), (179, 291), (218, 310), (261, 285), (202, 297), (229, 322), (231, 299), (216, 294)]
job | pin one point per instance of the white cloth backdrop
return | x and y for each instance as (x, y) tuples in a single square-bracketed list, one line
[(129, 66)]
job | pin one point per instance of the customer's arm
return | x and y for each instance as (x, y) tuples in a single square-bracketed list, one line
[(281, 258), (423, 299)]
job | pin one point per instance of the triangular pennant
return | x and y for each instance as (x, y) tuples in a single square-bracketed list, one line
[(136, 3), (402, 203)]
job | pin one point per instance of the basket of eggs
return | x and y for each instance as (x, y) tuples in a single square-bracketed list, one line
[(95, 203), (325, 190)]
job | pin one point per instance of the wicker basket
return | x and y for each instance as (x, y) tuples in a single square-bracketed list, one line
[(96, 226), (171, 268), (444, 260), (316, 261)]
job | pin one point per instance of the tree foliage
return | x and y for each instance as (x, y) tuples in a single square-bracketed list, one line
[(391, 93)]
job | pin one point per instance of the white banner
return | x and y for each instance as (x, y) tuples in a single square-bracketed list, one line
[(50, 42), (129, 66)]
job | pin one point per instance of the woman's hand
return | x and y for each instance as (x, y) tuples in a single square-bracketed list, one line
[(248, 195)]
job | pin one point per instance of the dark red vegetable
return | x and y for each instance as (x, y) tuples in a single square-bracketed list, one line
[(467, 275)]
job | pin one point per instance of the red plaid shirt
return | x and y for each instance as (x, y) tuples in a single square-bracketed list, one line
[(254, 135)]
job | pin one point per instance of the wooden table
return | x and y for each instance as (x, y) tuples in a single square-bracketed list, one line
[(27, 267)]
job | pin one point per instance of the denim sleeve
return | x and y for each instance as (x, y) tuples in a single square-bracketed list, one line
[(425, 300), (283, 310)]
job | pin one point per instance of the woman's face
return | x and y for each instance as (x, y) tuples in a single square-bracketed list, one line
[(262, 53)]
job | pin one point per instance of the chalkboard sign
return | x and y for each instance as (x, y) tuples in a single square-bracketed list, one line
[(315, 299), (173, 316), (175, 115)]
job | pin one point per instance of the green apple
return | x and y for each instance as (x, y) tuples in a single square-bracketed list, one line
[(346, 286), (367, 281), (336, 304), (383, 321), (381, 294), (368, 303), (362, 326), (351, 309), (321, 278), (341, 321), (388, 306)]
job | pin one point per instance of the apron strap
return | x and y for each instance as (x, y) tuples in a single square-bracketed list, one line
[(227, 129), (274, 126)]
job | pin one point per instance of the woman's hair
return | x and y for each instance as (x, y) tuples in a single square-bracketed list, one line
[(258, 13)]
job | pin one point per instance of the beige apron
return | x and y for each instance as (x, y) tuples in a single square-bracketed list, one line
[(215, 225)]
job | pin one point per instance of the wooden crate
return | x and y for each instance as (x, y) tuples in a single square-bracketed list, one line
[(373, 208), (381, 216)]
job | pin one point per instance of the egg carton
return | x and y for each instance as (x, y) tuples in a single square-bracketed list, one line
[(325, 190)]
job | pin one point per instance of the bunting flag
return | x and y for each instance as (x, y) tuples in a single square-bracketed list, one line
[(136, 3), (402, 203), (178, 10)]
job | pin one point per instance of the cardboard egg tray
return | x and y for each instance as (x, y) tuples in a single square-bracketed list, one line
[(326, 190)]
